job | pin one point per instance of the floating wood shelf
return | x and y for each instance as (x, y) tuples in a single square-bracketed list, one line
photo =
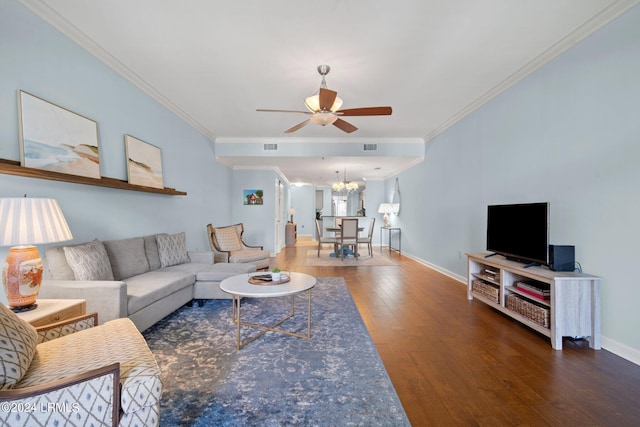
[(10, 167)]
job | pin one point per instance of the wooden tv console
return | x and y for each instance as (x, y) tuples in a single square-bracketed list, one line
[(572, 310)]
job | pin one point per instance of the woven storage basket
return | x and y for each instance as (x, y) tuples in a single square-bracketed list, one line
[(486, 290), (530, 310)]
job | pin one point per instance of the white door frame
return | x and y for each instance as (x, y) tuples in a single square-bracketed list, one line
[(279, 216)]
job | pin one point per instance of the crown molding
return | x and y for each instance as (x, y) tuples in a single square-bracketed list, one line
[(71, 31), (598, 21)]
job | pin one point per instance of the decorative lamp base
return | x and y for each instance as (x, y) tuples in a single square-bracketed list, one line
[(22, 276), (24, 308)]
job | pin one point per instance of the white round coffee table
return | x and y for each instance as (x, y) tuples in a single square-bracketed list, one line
[(239, 287)]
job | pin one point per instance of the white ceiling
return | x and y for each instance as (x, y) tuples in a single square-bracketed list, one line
[(213, 62)]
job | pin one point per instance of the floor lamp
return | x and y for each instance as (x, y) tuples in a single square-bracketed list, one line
[(25, 222)]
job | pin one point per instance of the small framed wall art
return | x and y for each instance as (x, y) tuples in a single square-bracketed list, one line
[(253, 197), (144, 163), (55, 139)]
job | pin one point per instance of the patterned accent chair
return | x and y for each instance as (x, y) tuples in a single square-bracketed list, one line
[(76, 373), (229, 246)]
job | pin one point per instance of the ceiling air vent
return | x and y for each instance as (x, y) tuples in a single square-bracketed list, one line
[(270, 147), (370, 147)]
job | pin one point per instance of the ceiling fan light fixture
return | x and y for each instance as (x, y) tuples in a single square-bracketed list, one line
[(313, 103), (323, 118), (324, 107)]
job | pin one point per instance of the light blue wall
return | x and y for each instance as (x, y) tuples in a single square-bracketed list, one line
[(376, 194), (260, 221), (36, 58), (568, 134), (303, 200)]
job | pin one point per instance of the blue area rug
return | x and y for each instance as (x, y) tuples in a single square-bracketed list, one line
[(336, 378)]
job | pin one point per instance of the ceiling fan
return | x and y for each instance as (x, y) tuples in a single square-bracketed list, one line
[(324, 108)]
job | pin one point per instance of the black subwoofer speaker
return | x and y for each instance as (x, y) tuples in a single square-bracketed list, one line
[(562, 257)]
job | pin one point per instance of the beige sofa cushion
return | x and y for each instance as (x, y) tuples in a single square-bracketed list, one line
[(249, 255), (18, 340), (127, 257), (57, 265), (117, 341), (212, 272), (89, 261), (151, 250), (147, 288)]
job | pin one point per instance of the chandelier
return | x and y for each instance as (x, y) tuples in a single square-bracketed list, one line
[(344, 185)]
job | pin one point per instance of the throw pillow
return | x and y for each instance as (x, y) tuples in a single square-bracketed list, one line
[(172, 249), (151, 249), (56, 263), (18, 340), (228, 239), (89, 261), (127, 257)]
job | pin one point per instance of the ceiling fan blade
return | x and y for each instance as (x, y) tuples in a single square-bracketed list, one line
[(366, 111), (298, 126), (283, 111), (327, 97), (344, 126)]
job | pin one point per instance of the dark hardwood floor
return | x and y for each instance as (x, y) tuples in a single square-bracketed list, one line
[(459, 362)]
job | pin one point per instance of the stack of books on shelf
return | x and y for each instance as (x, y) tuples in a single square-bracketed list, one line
[(491, 274), (535, 289)]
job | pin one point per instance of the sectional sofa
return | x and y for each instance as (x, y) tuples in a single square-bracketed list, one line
[(143, 278)]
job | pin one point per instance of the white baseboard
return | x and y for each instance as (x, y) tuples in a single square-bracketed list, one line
[(447, 273), (629, 353), (622, 350)]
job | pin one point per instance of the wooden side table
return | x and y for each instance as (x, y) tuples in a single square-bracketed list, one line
[(54, 310), (291, 234)]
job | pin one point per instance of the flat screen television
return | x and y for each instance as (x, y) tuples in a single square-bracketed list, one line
[(520, 232)]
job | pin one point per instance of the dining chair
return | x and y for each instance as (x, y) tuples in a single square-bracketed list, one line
[(368, 239), (349, 236), (322, 239), (337, 223)]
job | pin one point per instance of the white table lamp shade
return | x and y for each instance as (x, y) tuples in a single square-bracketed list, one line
[(24, 223), (28, 221), (386, 209)]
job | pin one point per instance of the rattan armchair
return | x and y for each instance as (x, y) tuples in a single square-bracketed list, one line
[(228, 245)]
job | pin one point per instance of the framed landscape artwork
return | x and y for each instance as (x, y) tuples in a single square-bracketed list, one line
[(144, 163), (253, 197), (55, 139)]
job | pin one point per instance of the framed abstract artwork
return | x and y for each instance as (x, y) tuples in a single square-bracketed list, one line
[(55, 139), (144, 163)]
